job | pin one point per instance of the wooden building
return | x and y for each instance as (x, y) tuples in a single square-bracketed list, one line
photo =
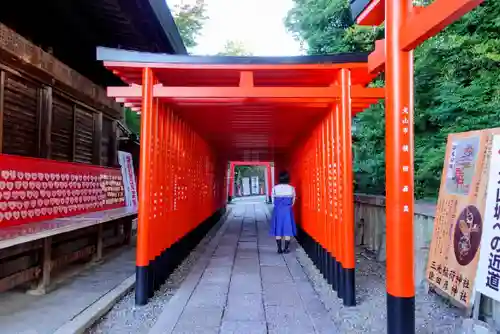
[(52, 104)]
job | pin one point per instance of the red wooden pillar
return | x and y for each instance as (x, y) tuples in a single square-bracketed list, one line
[(143, 228), (348, 195), (399, 172), (231, 182), (269, 183), (176, 180), (155, 187), (318, 235), (324, 201), (339, 201), (162, 245), (328, 200), (332, 186), (168, 178)]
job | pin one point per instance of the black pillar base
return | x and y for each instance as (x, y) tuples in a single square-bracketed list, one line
[(340, 283), (349, 287), (141, 285), (328, 265), (341, 279), (229, 198), (270, 199), (151, 277), (318, 256), (400, 315), (333, 273)]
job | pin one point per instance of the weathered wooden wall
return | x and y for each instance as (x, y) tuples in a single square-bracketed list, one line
[(48, 110)]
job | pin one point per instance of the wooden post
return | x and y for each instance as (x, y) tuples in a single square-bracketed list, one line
[(399, 172), (97, 150), (99, 244), (269, 183), (348, 195), (113, 143), (73, 135), (2, 102), (332, 186), (339, 177), (231, 182), (143, 288), (45, 114), (44, 282), (127, 230)]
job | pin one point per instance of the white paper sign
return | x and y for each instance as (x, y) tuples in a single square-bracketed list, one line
[(127, 168), (488, 274)]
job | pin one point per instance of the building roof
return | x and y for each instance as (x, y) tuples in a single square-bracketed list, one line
[(109, 54), (245, 106), (73, 29), (357, 7)]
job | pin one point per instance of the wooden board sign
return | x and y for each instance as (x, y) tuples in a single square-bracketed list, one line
[(488, 274), (128, 175), (33, 190), (454, 249)]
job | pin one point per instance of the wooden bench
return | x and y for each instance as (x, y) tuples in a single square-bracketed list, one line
[(72, 214), (31, 253)]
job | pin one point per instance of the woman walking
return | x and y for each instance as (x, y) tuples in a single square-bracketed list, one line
[(283, 222)]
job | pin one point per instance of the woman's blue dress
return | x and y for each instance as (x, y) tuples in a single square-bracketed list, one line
[(282, 221)]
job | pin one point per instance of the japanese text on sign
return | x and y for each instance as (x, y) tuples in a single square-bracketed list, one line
[(489, 263), (460, 216), (406, 158)]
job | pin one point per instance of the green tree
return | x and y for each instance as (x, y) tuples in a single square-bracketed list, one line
[(456, 85), (133, 121), (326, 26), (234, 48), (190, 19)]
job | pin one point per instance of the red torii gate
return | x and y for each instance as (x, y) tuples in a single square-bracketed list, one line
[(208, 111), (406, 27), (232, 166)]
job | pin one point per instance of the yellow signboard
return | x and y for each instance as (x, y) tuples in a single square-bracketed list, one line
[(454, 250)]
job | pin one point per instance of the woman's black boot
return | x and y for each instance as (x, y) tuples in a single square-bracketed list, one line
[(287, 244), (278, 243)]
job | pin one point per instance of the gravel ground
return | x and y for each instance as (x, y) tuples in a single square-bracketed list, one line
[(125, 317), (433, 314)]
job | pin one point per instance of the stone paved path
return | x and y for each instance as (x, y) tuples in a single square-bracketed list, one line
[(21, 313), (242, 286)]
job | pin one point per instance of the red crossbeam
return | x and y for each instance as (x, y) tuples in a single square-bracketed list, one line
[(295, 94), (432, 19), (373, 15), (422, 24), (376, 59)]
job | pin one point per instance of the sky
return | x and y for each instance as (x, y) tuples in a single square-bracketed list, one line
[(257, 24)]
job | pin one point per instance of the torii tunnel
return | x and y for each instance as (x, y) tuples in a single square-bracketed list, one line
[(199, 114)]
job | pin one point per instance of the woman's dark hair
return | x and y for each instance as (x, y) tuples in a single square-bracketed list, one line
[(284, 177)]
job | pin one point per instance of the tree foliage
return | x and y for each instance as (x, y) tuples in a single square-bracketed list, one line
[(133, 121), (457, 85), (234, 48), (189, 19)]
